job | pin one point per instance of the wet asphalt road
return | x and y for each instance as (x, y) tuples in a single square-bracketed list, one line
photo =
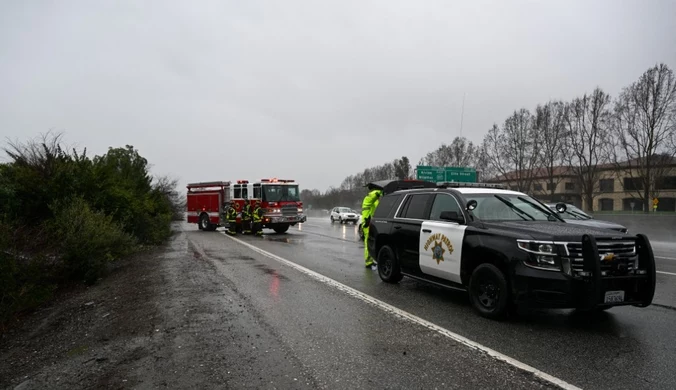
[(623, 348), (305, 334)]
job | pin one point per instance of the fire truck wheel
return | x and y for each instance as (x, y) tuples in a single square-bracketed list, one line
[(204, 222), (281, 229)]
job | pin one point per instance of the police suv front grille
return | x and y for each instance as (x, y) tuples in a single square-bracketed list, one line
[(289, 210), (616, 257)]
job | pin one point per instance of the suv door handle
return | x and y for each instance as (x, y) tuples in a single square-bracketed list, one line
[(397, 226), (427, 231)]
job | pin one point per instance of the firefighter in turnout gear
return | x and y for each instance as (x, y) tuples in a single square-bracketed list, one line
[(368, 207), (258, 219), (231, 217), (246, 217)]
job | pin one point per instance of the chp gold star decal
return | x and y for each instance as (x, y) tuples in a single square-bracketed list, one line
[(438, 252)]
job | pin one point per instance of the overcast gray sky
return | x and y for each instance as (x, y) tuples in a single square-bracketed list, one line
[(305, 89)]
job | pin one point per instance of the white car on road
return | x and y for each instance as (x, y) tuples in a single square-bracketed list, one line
[(344, 215)]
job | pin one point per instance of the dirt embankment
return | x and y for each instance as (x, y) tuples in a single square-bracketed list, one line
[(160, 319)]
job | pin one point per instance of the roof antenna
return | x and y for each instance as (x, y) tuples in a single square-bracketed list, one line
[(462, 114)]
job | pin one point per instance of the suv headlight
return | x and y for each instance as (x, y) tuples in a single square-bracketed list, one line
[(541, 254)]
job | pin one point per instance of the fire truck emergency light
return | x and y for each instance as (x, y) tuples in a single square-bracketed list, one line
[(242, 181), (275, 180)]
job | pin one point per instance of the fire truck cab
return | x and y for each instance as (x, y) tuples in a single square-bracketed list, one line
[(280, 202)]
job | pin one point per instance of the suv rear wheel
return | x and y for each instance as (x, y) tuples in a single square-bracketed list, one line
[(488, 291), (388, 265)]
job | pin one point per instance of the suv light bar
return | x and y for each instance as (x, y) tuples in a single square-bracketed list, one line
[(454, 184)]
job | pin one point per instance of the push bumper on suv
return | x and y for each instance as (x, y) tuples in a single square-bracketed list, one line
[(593, 276)]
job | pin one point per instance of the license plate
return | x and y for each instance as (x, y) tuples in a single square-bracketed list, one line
[(614, 297)]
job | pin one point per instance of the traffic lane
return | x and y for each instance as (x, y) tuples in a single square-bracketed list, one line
[(665, 254), (666, 266), (624, 347), (344, 342)]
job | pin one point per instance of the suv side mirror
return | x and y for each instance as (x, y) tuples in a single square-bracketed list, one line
[(561, 207), (471, 205), (451, 216)]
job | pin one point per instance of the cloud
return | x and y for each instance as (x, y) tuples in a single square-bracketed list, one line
[(305, 89)]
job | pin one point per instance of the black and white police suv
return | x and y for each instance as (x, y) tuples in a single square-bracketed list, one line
[(506, 248)]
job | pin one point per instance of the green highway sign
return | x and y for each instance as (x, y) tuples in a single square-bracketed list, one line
[(446, 174)]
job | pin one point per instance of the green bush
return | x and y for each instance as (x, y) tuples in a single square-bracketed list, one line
[(87, 239), (64, 216), (24, 284)]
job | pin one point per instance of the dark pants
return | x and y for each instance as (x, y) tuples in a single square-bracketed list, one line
[(232, 227), (258, 228), (246, 226)]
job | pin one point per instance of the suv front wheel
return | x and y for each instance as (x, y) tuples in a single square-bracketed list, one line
[(388, 265), (488, 291)]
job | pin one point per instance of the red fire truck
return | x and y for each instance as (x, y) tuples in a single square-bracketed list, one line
[(280, 201)]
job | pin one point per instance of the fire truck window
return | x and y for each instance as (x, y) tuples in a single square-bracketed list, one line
[(281, 193), (237, 193), (245, 193), (257, 192)]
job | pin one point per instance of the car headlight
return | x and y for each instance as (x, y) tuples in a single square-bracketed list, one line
[(542, 255)]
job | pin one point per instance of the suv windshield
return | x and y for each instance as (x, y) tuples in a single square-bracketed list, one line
[(510, 207), (280, 193), (344, 210), (573, 212)]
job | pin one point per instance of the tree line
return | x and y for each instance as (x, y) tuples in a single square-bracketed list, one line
[(633, 134), (64, 216)]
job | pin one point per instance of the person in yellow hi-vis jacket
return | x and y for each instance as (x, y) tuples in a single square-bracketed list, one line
[(258, 219), (246, 217), (368, 207), (231, 216)]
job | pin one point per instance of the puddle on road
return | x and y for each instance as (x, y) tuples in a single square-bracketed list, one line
[(245, 258), (286, 240), (270, 271)]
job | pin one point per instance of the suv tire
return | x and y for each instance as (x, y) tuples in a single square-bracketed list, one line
[(488, 291), (388, 265)]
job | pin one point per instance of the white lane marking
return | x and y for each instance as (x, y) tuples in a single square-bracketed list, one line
[(411, 317), (666, 258), (666, 273)]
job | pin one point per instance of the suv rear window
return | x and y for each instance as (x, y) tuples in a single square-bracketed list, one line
[(415, 206), (385, 205)]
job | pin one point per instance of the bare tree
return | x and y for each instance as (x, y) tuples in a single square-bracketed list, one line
[(494, 154), (645, 131), (460, 153), (485, 170), (549, 124), (587, 122), (402, 168), (513, 151)]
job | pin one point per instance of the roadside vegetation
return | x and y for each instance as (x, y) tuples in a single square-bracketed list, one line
[(64, 217), (634, 134)]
